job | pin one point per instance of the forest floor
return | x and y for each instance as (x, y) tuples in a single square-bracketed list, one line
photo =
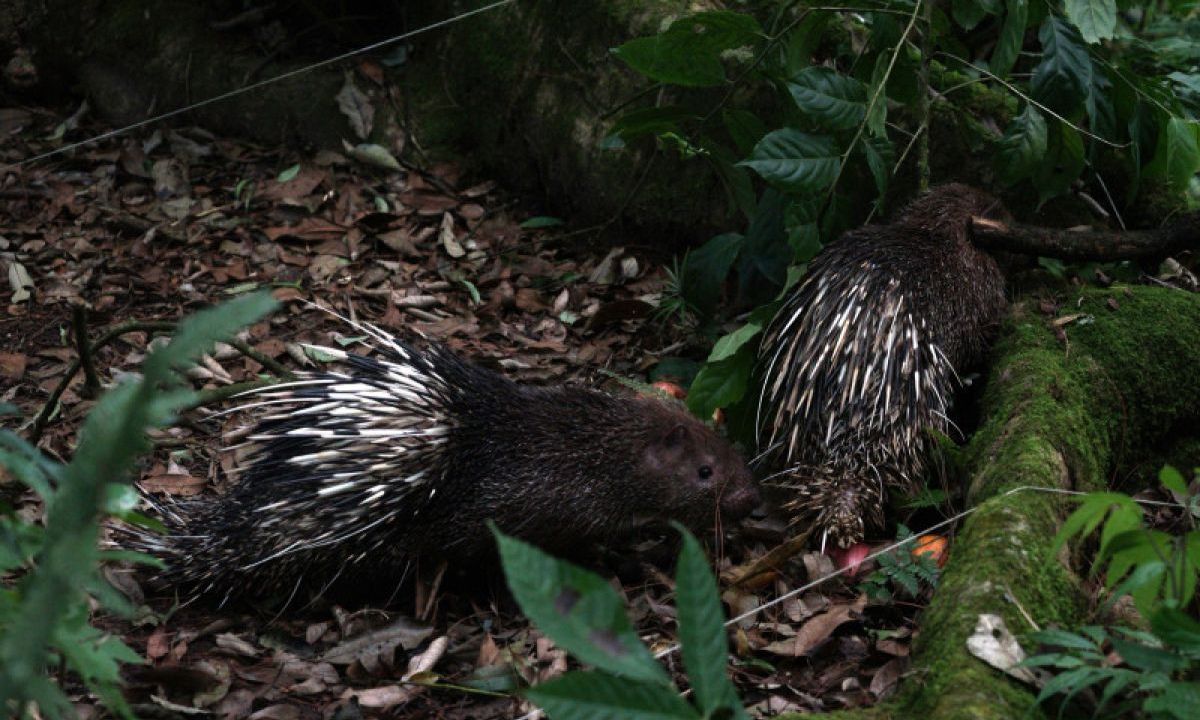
[(156, 224)]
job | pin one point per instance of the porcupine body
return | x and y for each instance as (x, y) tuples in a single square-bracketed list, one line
[(860, 363), (411, 452)]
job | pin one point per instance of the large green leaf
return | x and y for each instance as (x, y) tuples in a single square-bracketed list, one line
[(1145, 657), (705, 269), (1178, 700), (968, 13), (1096, 19), (702, 632), (744, 127), (1012, 37), (1062, 163), (689, 51), (730, 343), (651, 121), (1060, 81), (1177, 157), (833, 100), (1178, 629), (721, 383), (584, 695), (763, 262), (578, 610), (1023, 146), (795, 161), (880, 156)]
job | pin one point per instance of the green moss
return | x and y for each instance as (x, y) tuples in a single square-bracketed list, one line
[(1061, 412)]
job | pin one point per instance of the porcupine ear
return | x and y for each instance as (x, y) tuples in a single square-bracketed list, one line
[(664, 450)]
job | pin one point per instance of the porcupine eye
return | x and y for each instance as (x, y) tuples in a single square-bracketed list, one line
[(705, 472)]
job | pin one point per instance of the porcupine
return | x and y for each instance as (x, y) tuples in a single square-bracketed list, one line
[(410, 453), (861, 361)]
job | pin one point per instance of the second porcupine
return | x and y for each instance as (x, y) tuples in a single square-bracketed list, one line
[(411, 453), (861, 361)]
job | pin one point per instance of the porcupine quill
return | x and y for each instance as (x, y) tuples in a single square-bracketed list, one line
[(860, 364)]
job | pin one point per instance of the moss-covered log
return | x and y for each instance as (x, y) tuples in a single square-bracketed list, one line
[(1062, 411)]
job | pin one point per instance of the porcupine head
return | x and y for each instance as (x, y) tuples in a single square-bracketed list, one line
[(595, 465)]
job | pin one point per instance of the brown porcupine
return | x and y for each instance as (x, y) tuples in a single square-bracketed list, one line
[(410, 453), (860, 363)]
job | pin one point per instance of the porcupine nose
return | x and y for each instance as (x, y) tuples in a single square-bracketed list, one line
[(740, 497)]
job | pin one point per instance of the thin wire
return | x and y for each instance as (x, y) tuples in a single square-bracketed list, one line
[(253, 86), (883, 551), (894, 546)]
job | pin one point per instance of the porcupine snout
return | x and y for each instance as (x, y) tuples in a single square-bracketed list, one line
[(740, 496)]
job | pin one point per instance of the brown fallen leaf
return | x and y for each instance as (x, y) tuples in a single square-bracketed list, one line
[(304, 182), (173, 484), (883, 682), (816, 631), (382, 697), (157, 645), (12, 365)]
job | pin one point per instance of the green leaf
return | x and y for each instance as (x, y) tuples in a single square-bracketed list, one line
[(763, 263), (1061, 79), (730, 343), (1120, 680), (540, 221), (968, 13), (1092, 510), (721, 384), (28, 464), (1065, 681), (880, 155), (689, 51), (1011, 39), (1177, 157), (578, 610), (702, 631), (1063, 639), (197, 334), (833, 100), (1176, 628), (735, 179), (744, 127), (1062, 163), (289, 173), (705, 269), (1144, 657), (652, 121), (590, 695), (1023, 146), (1096, 19), (1172, 480), (1178, 700), (795, 161)]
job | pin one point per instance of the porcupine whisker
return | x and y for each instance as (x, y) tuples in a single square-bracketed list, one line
[(399, 583)]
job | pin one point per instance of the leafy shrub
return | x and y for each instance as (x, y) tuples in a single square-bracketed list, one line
[(818, 113), (582, 613), (1152, 674), (44, 615)]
